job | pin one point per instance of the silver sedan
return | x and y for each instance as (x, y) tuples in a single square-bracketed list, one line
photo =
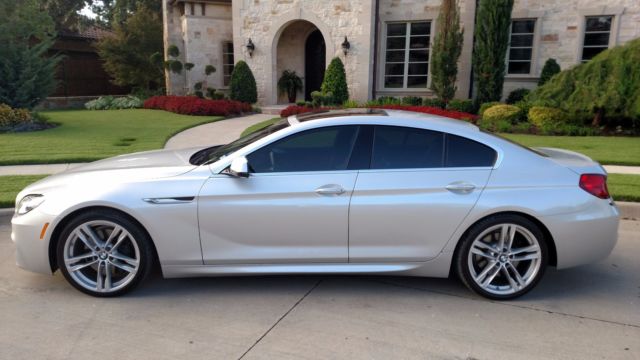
[(363, 191)]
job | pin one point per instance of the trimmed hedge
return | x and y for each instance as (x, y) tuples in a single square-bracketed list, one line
[(12, 117), (486, 106), (192, 105), (461, 105), (335, 82), (242, 85), (500, 117)]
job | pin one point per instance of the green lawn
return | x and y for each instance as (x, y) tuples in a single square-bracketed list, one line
[(608, 150), (259, 126), (622, 187), (10, 186), (85, 135)]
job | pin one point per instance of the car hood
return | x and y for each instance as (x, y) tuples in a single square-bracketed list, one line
[(120, 169)]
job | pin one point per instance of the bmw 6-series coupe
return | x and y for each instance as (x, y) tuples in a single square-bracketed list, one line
[(366, 191)]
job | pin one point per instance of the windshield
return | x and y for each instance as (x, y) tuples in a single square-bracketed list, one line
[(213, 154)]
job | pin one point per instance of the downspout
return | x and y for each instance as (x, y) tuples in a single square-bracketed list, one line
[(374, 83), (473, 46)]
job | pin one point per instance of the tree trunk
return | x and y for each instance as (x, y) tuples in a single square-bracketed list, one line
[(597, 118)]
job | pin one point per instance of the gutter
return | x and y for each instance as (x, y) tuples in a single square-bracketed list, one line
[(376, 32)]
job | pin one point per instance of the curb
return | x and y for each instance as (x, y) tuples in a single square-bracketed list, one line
[(629, 210)]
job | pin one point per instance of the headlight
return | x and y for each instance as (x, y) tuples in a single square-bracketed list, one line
[(29, 203)]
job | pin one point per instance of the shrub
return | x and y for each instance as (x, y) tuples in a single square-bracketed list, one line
[(295, 109), (191, 105), (243, 84), (432, 110), (549, 69), (111, 103), (289, 83), (500, 117), (320, 98), (605, 89), (547, 118), (335, 81), (486, 106), (411, 100), (300, 103), (517, 95), (350, 104), (387, 100), (461, 105), (12, 117), (433, 102)]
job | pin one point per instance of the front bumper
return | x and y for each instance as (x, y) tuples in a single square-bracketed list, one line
[(32, 253), (584, 237)]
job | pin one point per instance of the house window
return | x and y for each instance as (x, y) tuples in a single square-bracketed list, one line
[(521, 46), (597, 30), (406, 63), (227, 62)]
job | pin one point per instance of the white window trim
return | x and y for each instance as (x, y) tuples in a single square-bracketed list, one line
[(224, 52), (383, 61), (615, 11), (380, 90), (535, 48)]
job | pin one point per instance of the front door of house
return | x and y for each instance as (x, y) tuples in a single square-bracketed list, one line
[(315, 63)]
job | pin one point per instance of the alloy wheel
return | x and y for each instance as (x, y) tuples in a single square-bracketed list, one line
[(101, 256), (504, 259)]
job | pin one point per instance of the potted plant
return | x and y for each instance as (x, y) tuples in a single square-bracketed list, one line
[(290, 83)]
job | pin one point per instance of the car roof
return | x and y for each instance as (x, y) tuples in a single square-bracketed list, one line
[(376, 116)]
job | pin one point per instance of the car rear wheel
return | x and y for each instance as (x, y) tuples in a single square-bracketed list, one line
[(502, 257), (103, 253)]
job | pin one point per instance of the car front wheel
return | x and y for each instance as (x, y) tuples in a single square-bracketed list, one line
[(103, 253), (502, 257)]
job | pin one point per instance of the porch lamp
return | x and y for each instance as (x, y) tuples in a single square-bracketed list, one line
[(345, 46), (250, 47)]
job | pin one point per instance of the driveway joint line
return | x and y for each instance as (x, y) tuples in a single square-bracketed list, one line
[(507, 304), (280, 319)]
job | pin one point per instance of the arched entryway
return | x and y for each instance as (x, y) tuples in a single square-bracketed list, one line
[(314, 63), (301, 48)]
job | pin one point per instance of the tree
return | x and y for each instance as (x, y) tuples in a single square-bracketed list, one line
[(66, 13), (242, 85), (130, 55), (446, 50), (113, 13), (490, 49), (335, 81), (549, 69), (26, 34)]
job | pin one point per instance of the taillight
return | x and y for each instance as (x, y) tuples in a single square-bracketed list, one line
[(595, 184)]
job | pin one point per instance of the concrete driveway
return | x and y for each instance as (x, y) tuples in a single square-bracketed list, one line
[(592, 312)]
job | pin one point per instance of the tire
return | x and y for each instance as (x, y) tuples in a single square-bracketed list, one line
[(507, 273), (113, 265)]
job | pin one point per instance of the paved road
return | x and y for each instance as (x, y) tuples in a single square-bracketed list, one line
[(592, 312)]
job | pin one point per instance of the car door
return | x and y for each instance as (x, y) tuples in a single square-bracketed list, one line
[(419, 188), (292, 208)]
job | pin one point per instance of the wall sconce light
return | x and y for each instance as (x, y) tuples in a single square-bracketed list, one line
[(346, 46), (250, 47)]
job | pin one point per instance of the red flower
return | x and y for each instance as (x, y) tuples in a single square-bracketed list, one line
[(192, 105)]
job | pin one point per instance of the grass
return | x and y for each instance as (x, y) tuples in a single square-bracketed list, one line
[(608, 150), (259, 126), (10, 186), (622, 187), (84, 135)]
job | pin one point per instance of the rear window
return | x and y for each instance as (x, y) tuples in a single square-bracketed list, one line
[(463, 152)]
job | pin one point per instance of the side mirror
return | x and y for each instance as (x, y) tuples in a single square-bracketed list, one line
[(239, 167)]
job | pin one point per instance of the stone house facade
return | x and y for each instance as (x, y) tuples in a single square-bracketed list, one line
[(389, 41)]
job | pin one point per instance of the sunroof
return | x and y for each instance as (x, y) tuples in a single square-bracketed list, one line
[(323, 114)]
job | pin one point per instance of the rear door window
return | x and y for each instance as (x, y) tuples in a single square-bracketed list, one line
[(396, 147)]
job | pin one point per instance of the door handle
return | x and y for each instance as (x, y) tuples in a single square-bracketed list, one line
[(460, 187), (331, 189)]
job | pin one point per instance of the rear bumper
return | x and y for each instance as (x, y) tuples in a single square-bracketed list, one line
[(584, 237), (32, 253)]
